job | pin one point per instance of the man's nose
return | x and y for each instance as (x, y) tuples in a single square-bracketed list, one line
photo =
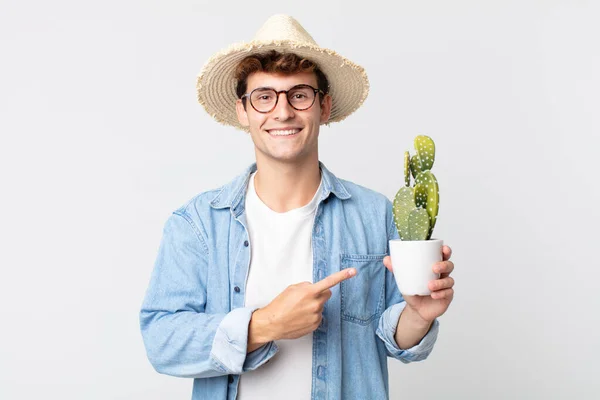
[(283, 110)]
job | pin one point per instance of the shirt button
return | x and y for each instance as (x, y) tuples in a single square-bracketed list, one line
[(321, 372), (237, 289), (246, 243), (230, 379)]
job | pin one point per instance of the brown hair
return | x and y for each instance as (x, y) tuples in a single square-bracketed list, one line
[(276, 62)]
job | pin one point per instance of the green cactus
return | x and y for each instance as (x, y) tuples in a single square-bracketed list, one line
[(416, 208)]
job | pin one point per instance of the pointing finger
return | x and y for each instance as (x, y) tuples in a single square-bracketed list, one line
[(334, 279)]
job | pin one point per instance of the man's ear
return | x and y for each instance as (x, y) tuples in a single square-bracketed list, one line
[(326, 108), (241, 113)]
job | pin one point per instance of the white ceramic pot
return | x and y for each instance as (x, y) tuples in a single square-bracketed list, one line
[(412, 262)]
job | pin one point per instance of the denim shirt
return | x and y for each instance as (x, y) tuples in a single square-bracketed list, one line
[(194, 323)]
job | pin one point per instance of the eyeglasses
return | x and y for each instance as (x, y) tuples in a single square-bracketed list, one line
[(300, 97)]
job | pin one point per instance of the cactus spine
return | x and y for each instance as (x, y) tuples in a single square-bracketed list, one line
[(416, 208)]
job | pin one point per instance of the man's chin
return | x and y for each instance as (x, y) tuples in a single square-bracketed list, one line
[(287, 158)]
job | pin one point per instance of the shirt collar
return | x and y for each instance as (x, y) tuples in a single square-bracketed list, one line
[(232, 194)]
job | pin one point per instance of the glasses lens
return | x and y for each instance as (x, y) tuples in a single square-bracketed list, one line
[(301, 97), (263, 99)]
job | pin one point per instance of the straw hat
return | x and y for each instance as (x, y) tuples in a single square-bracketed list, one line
[(216, 84)]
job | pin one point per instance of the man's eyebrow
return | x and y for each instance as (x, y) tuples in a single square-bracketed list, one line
[(271, 87)]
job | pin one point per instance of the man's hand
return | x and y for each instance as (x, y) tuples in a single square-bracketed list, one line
[(430, 307), (295, 312)]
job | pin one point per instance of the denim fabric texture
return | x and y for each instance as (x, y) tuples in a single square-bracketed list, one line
[(193, 320)]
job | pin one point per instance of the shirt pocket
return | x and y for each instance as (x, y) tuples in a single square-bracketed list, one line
[(362, 296)]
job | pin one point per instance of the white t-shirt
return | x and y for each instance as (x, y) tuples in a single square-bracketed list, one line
[(281, 255)]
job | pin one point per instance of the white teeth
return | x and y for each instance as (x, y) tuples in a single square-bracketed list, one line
[(284, 133)]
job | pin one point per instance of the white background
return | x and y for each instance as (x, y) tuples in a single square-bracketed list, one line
[(102, 138)]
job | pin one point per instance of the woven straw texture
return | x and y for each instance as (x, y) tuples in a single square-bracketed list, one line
[(216, 84)]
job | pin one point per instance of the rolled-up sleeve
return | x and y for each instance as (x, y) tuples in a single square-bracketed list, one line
[(231, 343), (180, 338), (386, 331)]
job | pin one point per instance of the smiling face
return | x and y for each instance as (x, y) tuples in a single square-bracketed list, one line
[(284, 134)]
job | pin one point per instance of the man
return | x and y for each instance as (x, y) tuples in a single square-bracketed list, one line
[(273, 285)]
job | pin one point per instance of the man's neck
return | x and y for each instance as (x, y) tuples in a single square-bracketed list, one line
[(283, 187)]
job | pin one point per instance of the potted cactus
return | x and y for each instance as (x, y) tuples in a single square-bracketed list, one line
[(415, 214)]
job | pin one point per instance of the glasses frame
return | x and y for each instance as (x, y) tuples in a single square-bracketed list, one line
[(278, 92)]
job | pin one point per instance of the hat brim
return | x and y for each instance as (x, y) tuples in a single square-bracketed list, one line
[(216, 84)]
